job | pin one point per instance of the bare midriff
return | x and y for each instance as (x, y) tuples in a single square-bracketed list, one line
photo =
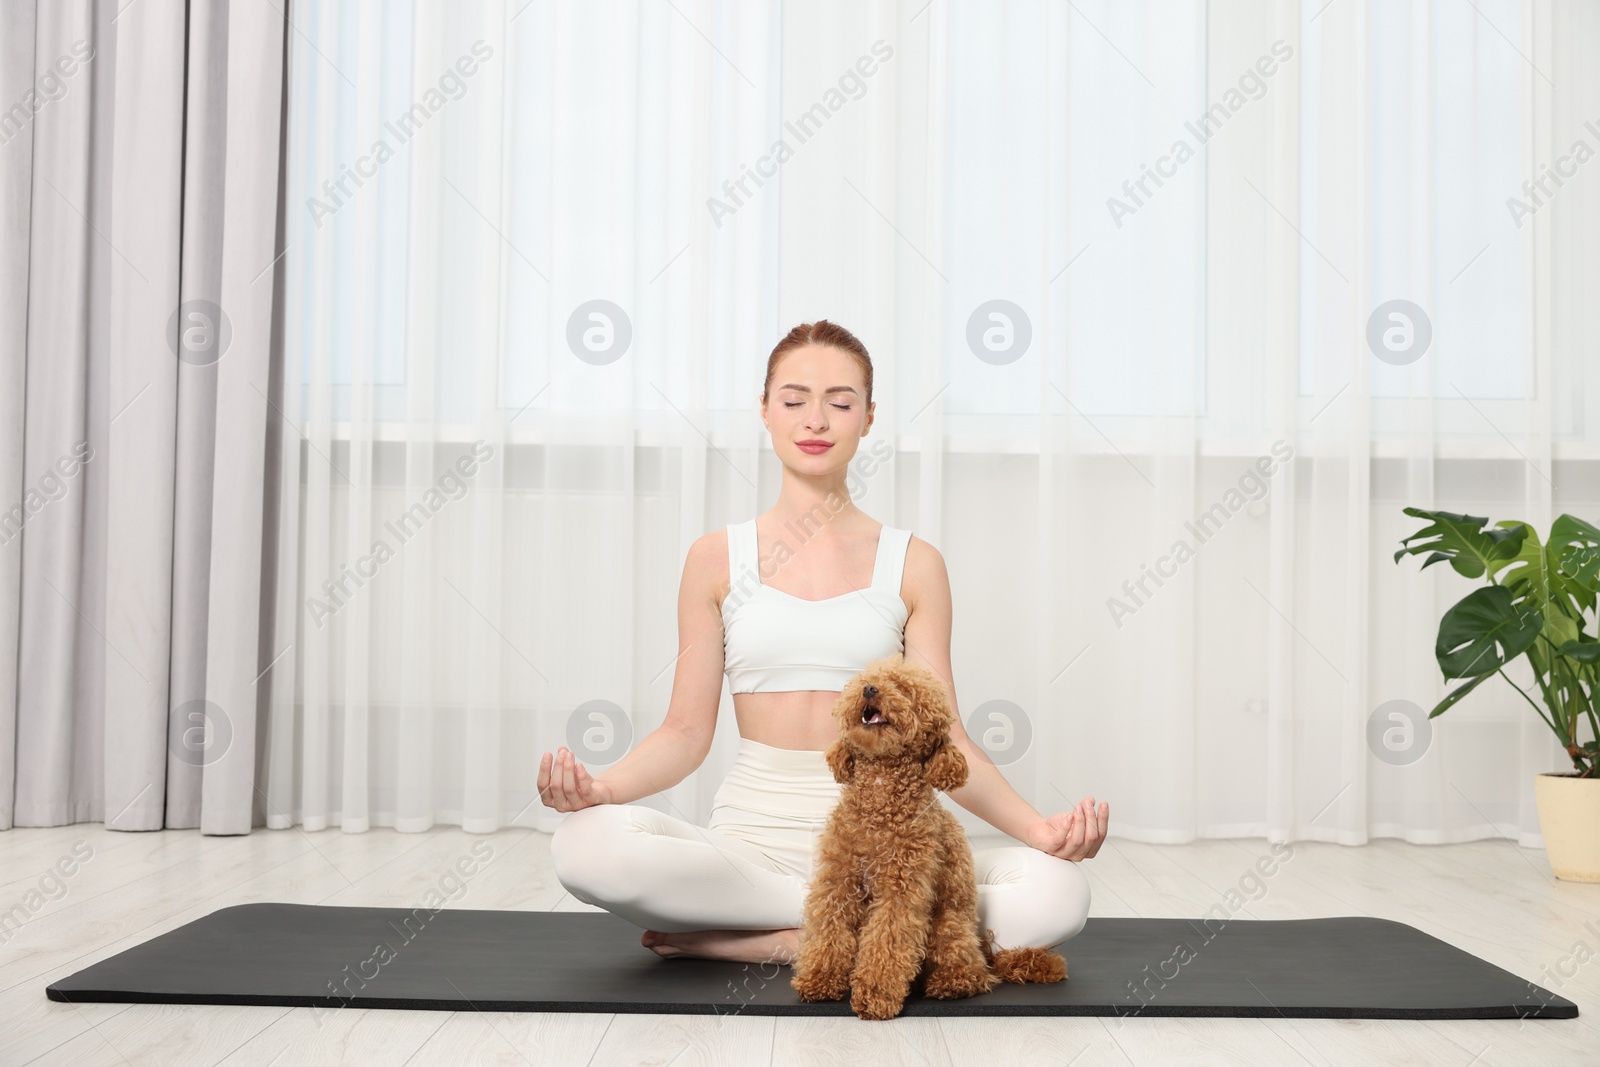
[(798, 719)]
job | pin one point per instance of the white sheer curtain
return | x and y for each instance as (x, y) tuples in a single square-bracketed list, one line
[(1116, 264)]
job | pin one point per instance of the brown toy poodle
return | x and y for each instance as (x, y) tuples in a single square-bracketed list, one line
[(892, 896)]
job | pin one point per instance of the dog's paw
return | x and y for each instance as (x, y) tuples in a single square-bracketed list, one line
[(814, 985), (875, 1004), (952, 984)]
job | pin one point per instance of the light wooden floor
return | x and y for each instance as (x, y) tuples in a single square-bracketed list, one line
[(1490, 898)]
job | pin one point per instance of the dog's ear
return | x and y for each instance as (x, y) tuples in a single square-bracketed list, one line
[(947, 767), (842, 761)]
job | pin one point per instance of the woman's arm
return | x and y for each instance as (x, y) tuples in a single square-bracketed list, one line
[(670, 753), (1074, 834)]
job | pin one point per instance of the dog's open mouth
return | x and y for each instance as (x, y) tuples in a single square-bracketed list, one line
[(871, 716)]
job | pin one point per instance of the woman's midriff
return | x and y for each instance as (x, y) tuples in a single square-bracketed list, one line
[(800, 720)]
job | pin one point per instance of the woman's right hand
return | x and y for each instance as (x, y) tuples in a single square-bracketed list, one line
[(565, 785)]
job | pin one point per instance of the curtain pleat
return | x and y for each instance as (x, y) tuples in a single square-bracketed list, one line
[(16, 165), (416, 795), (62, 545), (363, 341), (497, 657), (239, 606), (205, 139)]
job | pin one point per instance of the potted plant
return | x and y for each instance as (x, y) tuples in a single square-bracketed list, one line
[(1539, 602)]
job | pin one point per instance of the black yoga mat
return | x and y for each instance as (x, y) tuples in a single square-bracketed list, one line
[(459, 960)]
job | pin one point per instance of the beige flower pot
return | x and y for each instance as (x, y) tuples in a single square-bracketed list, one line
[(1569, 818)]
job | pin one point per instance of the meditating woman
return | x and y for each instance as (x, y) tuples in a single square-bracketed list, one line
[(790, 605)]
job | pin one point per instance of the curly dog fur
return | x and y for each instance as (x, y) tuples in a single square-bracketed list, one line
[(893, 896)]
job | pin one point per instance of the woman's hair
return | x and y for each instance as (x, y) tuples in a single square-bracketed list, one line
[(821, 332)]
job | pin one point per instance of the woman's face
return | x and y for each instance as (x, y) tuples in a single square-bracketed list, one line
[(818, 394)]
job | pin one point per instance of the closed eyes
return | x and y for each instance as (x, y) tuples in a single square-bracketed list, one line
[(797, 403)]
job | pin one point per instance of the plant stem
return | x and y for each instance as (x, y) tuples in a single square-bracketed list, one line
[(1567, 685), (1553, 727), (1574, 697), (1586, 700)]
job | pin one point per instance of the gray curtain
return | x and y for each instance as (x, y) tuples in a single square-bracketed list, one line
[(140, 149)]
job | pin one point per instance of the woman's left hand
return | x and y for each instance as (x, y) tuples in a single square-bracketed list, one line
[(1071, 835)]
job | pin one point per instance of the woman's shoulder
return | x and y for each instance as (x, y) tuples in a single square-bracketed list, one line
[(706, 566), (710, 543), (916, 546), (924, 577)]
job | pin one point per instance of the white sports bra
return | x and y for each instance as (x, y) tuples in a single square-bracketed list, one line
[(775, 642)]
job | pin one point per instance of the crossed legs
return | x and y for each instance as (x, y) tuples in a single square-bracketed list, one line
[(698, 890)]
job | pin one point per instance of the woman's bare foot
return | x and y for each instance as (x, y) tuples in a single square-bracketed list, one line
[(740, 946)]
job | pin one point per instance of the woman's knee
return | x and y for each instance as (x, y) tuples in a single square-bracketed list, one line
[(1037, 899), (589, 853), (1067, 886)]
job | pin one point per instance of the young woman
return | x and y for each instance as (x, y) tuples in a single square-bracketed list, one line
[(789, 606)]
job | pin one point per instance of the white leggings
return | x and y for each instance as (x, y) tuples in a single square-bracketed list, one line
[(750, 868)]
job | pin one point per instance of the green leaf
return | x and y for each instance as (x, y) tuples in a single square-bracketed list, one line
[(1484, 632), (1576, 546), (1461, 539), (1456, 694), (1530, 567), (1535, 580), (1582, 651)]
